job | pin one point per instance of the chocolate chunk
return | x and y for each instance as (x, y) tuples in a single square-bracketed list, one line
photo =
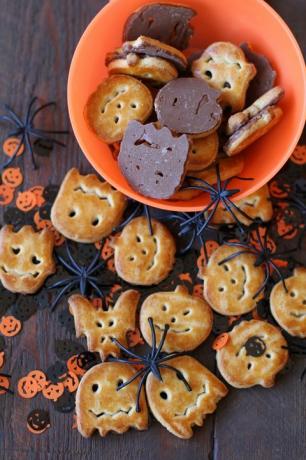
[(188, 105), (153, 160), (265, 77), (167, 23)]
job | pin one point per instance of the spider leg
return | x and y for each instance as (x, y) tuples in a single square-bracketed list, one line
[(12, 158), (148, 216), (209, 218), (5, 375), (162, 341), (134, 377), (7, 390), (259, 239), (63, 282), (139, 390), (179, 373), (202, 181), (29, 147), (41, 135), (167, 357), (61, 294), (8, 119), (96, 288), (189, 244), (125, 361), (68, 267), (98, 267), (232, 256), (262, 287), (32, 102), (281, 278), (227, 205), (238, 245), (14, 116), (93, 263), (153, 335), (42, 107), (126, 350), (244, 214)]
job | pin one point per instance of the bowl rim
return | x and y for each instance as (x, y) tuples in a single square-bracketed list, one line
[(172, 206)]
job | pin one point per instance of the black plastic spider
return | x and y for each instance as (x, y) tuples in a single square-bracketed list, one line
[(264, 256), (219, 194), (26, 130), (81, 275), (136, 209), (152, 362), (2, 388)]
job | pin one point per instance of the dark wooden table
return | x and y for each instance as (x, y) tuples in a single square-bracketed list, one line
[(37, 39)]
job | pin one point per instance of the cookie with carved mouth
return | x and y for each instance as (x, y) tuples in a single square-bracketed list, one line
[(143, 258), (100, 326), (253, 354), (257, 205), (224, 67), (99, 406), (117, 100), (148, 59), (189, 106), (289, 307), (86, 209), (153, 160), (190, 319), (26, 258), (168, 23), (230, 288), (177, 407)]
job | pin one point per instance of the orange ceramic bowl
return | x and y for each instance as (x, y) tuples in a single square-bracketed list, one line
[(253, 21)]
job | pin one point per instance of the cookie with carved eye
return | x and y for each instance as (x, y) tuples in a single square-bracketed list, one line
[(230, 287), (26, 258), (224, 67), (148, 59), (141, 258), (117, 100), (253, 354), (100, 406), (177, 407), (86, 209), (203, 152), (190, 319), (257, 205), (99, 326), (289, 307)]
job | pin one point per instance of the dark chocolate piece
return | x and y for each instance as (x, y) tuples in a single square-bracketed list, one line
[(164, 22), (153, 160), (265, 77), (188, 105)]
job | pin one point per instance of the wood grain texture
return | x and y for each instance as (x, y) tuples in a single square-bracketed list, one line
[(37, 40)]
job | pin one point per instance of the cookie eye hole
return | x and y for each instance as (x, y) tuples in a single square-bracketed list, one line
[(155, 239), (131, 258), (163, 395), (119, 383), (15, 251), (173, 320), (164, 308), (186, 312), (99, 324), (208, 74), (138, 239), (119, 105), (238, 65), (102, 339), (209, 59), (194, 151), (95, 388), (249, 366), (116, 119), (35, 260), (268, 356), (95, 222), (292, 294), (227, 85), (111, 323), (221, 289), (304, 302), (226, 267), (133, 105), (72, 213), (233, 281), (144, 252)]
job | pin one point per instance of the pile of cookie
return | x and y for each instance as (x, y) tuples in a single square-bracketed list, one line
[(179, 390), (171, 118)]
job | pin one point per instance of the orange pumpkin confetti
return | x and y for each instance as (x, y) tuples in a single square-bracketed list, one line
[(71, 382), (26, 201), (6, 194), (4, 383), (53, 391), (11, 144), (12, 177), (10, 326), (39, 377), (220, 341), (27, 387), (72, 365), (38, 192), (134, 338), (299, 155)]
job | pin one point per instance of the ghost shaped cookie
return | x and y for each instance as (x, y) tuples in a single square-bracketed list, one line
[(257, 205), (100, 326), (224, 67), (189, 106), (86, 209), (141, 258), (153, 160), (117, 100), (99, 406), (190, 319), (289, 306), (26, 258), (230, 287), (253, 354), (175, 406)]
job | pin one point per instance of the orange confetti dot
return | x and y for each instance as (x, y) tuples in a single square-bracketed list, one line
[(220, 341), (10, 146)]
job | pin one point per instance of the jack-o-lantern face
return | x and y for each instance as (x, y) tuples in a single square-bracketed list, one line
[(4, 384), (11, 144), (26, 201), (289, 307), (6, 194), (10, 326), (178, 407), (190, 319), (278, 192), (38, 192), (73, 366), (27, 387), (71, 382), (101, 406), (53, 391), (86, 209), (299, 155), (38, 421), (26, 258), (12, 177)]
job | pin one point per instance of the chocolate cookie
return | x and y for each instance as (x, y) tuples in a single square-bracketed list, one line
[(189, 105), (265, 77), (153, 160), (167, 23)]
